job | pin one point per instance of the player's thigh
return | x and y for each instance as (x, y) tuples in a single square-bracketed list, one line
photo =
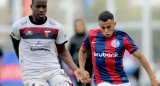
[(36, 82), (60, 79), (108, 84)]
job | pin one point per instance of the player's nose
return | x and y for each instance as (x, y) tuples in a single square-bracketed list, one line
[(106, 30), (41, 9)]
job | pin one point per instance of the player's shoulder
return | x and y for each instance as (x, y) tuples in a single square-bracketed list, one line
[(119, 32), (21, 22), (54, 23), (94, 31)]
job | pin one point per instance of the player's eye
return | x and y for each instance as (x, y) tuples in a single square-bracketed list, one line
[(109, 26), (44, 6), (37, 6), (102, 27)]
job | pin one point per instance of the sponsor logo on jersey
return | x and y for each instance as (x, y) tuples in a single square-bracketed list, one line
[(46, 32), (29, 33), (106, 54), (93, 42), (115, 43), (39, 49)]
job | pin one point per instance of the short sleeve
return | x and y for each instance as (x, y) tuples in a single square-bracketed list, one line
[(15, 33), (86, 44), (61, 37), (129, 44)]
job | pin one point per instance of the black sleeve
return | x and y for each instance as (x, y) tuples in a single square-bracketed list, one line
[(71, 47)]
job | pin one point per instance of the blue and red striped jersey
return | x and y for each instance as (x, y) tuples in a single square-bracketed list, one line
[(107, 55)]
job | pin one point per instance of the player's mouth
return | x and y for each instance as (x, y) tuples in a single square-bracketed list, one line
[(41, 15), (107, 35)]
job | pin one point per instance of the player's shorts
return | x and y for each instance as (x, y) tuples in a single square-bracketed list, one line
[(108, 84), (47, 78)]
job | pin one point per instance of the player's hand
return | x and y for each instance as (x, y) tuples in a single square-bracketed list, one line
[(85, 76), (154, 82), (78, 75)]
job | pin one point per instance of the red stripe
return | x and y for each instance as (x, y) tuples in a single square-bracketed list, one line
[(127, 44), (96, 72), (84, 46), (110, 62), (38, 30), (83, 43)]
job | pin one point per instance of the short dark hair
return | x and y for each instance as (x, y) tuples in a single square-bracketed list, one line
[(104, 16), (33, 1)]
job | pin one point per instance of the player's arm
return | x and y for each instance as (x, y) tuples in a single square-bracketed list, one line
[(133, 49), (82, 60), (15, 46), (146, 66), (15, 37), (83, 52), (66, 57)]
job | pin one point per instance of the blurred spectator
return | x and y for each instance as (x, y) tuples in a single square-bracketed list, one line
[(75, 44), (1, 63), (1, 57)]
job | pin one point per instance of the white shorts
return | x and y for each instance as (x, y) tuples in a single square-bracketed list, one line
[(108, 84), (49, 78)]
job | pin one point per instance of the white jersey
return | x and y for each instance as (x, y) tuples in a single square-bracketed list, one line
[(37, 43)]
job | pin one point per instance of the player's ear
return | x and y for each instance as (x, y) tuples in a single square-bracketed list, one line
[(115, 23), (31, 6)]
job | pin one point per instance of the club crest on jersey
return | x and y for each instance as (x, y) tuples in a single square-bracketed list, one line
[(46, 32), (115, 43)]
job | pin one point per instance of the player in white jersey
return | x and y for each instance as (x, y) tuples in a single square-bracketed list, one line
[(34, 39)]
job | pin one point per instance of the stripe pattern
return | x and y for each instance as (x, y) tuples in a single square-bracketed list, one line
[(38, 33), (107, 55)]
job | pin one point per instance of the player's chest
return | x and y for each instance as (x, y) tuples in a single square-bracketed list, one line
[(38, 33), (107, 44)]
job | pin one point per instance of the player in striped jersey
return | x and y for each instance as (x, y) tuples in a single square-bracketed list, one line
[(108, 46)]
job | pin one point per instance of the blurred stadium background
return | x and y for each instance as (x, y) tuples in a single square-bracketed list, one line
[(139, 18)]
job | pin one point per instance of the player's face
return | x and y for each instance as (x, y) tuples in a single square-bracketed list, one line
[(107, 28), (39, 8)]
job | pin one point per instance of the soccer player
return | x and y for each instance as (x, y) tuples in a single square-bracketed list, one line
[(108, 46), (34, 39)]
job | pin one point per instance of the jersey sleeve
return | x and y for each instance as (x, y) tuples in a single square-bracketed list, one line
[(86, 44), (15, 33), (61, 37), (129, 44)]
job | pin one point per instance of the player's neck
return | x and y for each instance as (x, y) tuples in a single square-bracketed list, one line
[(37, 22)]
